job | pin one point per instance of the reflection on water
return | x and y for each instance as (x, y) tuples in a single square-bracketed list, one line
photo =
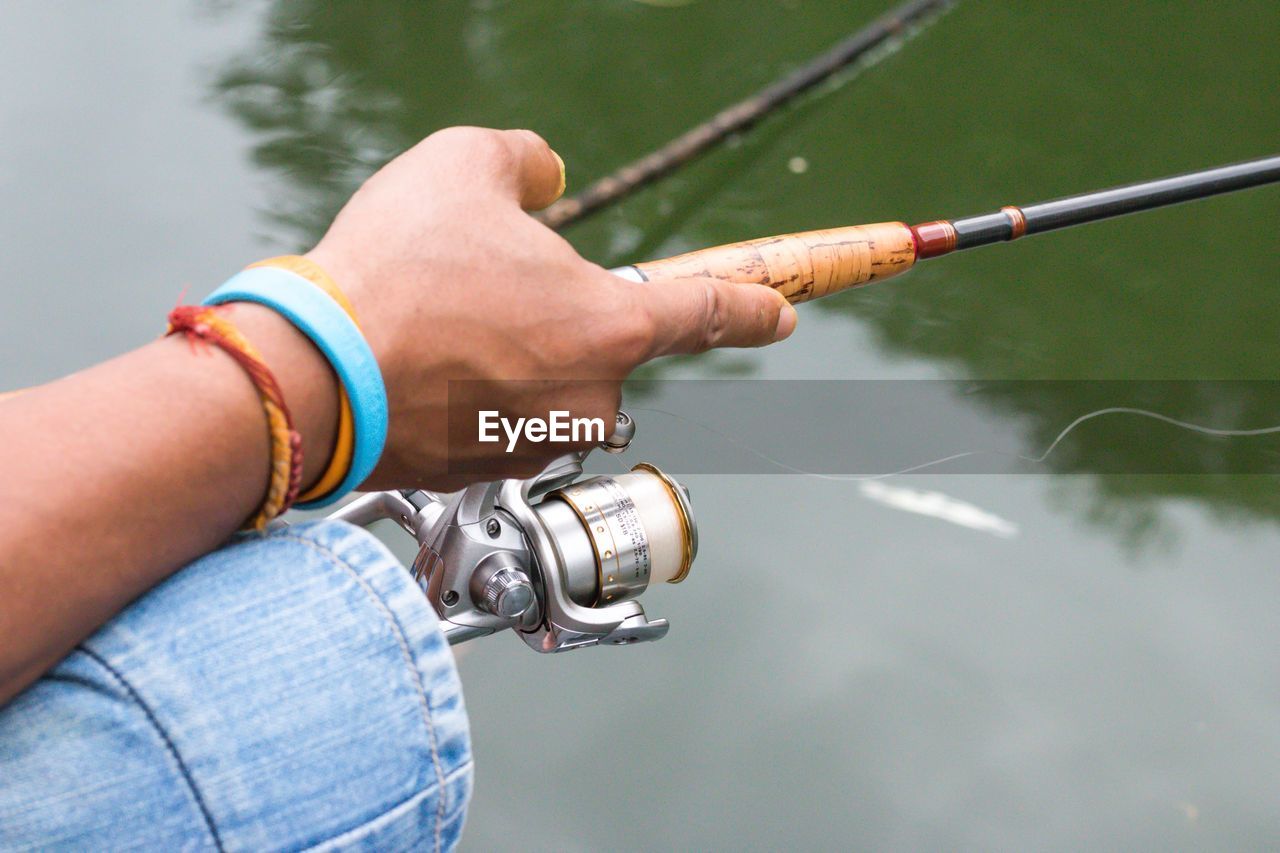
[(334, 90), (938, 505)]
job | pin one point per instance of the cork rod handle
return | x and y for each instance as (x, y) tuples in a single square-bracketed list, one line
[(800, 266)]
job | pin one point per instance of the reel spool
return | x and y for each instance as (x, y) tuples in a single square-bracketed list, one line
[(617, 535)]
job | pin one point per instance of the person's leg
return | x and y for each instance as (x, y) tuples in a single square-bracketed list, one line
[(287, 691)]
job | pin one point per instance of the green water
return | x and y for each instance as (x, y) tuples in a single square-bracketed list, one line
[(840, 673)]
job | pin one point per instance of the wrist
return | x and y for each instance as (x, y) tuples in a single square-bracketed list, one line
[(303, 294), (345, 274), (306, 381), (354, 280)]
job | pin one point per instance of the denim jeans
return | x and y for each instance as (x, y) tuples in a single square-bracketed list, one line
[(290, 691)]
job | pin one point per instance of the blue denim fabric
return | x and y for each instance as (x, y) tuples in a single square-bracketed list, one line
[(291, 691)]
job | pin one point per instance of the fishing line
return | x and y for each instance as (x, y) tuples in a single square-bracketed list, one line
[(1127, 410), (1110, 410)]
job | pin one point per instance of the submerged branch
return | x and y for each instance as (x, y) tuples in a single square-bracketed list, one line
[(740, 116)]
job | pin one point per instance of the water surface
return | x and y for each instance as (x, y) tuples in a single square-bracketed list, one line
[(840, 672)]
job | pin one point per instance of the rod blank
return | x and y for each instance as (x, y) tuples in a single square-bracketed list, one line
[(1117, 201)]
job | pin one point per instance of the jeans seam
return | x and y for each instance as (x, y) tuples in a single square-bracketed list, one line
[(403, 641), (461, 769), (164, 736)]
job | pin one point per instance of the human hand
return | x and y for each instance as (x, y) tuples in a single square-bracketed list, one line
[(453, 282)]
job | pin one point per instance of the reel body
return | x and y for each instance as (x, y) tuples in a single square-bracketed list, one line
[(559, 560)]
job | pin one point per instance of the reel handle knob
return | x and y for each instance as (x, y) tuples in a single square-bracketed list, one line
[(624, 432), (507, 593)]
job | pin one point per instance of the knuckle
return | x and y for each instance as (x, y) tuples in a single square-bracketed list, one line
[(474, 143), (715, 317), (458, 135), (530, 137)]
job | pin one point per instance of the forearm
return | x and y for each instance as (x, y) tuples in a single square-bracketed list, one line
[(117, 476)]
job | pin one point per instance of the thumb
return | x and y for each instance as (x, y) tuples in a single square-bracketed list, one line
[(697, 314)]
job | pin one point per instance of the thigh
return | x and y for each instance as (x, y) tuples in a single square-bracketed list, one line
[(285, 692)]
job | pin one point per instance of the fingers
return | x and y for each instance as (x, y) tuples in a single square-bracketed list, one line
[(538, 176), (696, 314), (517, 163)]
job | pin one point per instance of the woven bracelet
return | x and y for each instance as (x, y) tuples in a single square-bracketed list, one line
[(203, 323)]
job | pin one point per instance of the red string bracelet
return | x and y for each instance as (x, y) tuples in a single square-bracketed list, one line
[(207, 324)]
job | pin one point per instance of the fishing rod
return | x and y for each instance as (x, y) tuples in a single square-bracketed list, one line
[(561, 561), (813, 264)]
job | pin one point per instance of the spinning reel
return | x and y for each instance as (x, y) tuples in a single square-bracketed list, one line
[(558, 560)]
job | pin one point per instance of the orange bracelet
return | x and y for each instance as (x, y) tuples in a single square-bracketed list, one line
[(344, 443), (208, 324)]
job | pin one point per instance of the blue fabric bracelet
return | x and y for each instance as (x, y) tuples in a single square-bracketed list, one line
[(322, 320)]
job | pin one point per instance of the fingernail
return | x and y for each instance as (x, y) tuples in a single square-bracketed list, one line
[(787, 319), (563, 176)]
